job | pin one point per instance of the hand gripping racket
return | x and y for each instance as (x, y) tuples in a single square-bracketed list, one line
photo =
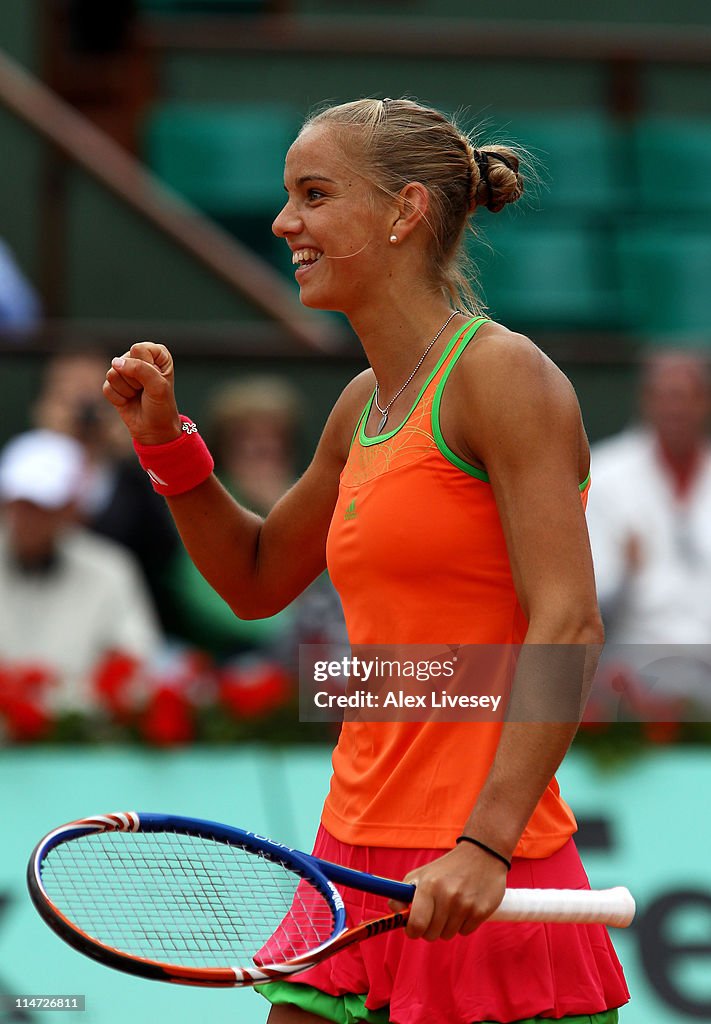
[(199, 903)]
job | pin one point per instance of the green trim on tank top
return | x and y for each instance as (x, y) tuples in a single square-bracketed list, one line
[(377, 438), (444, 448)]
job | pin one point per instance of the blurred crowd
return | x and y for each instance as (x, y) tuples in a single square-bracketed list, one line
[(104, 618)]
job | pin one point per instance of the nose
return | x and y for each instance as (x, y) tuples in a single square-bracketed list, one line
[(287, 221)]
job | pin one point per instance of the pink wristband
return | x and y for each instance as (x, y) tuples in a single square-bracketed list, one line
[(179, 465)]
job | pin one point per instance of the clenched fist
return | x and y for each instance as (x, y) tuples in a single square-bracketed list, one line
[(140, 385)]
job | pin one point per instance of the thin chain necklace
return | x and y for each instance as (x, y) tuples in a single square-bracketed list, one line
[(384, 411)]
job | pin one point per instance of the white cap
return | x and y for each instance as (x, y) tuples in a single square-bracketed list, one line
[(43, 467)]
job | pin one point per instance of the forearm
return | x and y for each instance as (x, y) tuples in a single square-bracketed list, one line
[(221, 538), (258, 566), (548, 696), (527, 758)]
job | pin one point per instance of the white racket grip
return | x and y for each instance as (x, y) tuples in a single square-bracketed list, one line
[(614, 907)]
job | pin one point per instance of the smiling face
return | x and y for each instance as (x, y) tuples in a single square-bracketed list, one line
[(335, 222)]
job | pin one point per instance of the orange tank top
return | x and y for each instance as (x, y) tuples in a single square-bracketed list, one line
[(418, 556)]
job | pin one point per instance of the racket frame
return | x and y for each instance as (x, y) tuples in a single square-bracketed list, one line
[(132, 821), (613, 907)]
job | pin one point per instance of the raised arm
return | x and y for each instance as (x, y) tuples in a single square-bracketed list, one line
[(257, 566)]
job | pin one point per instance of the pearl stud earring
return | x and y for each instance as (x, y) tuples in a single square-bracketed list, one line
[(393, 239)]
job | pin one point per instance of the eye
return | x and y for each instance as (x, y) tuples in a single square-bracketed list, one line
[(314, 194)]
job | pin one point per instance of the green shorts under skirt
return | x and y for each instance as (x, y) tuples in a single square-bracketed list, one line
[(350, 1009)]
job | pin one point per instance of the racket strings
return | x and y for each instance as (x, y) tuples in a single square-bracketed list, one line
[(185, 900)]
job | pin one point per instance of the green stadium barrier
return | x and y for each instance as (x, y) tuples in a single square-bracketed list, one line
[(644, 826), (552, 259), (547, 276), (275, 792), (576, 157), (673, 159), (665, 270), (228, 160)]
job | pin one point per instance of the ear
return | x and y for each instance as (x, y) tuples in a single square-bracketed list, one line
[(413, 204)]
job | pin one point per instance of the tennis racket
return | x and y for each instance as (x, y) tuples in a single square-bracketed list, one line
[(198, 903)]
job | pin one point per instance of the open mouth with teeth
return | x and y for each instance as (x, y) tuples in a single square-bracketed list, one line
[(305, 258)]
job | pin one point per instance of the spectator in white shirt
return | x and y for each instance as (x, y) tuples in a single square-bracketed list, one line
[(649, 516), (67, 597), (650, 510)]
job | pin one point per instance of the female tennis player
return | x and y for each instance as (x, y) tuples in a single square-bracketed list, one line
[(446, 496)]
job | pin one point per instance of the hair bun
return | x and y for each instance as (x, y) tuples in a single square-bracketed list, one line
[(496, 180)]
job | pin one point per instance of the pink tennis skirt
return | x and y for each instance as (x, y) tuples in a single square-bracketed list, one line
[(502, 972)]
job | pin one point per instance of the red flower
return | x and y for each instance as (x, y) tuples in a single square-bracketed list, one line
[(250, 689), (661, 732), (593, 726), (112, 681), (25, 720), (167, 719), (33, 678), (22, 688)]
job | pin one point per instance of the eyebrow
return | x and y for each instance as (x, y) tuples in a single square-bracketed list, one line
[(314, 177)]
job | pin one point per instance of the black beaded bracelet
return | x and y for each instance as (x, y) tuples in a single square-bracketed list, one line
[(487, 849)]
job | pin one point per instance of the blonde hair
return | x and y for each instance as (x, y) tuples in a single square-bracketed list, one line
[(401, 141)]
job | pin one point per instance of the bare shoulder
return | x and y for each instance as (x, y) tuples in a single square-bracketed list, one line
[(357, 392), (345, 414), (507, 389), (500, 360)]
